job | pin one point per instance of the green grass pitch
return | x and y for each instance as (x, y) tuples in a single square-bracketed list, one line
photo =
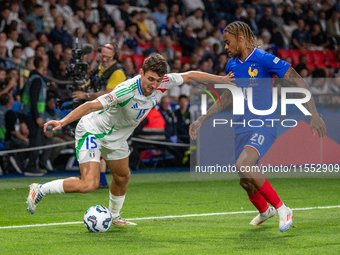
[(314, 231)]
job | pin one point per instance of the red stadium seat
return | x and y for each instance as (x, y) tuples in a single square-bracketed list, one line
[(138, 61), (122, 56), (319, 59), (144, 46), (295, 56), (176, 48), (283, 54), (185, 60)]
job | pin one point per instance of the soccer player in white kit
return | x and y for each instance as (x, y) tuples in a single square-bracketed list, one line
[(104, 127)]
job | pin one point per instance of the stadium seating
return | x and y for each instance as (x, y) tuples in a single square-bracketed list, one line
[(138, 61)]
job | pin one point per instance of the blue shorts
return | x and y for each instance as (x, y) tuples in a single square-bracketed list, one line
[(259, 140)]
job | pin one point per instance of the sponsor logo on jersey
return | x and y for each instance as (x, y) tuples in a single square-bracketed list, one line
[(135, 106)]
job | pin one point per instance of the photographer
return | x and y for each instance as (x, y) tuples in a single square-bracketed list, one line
[(106, 76)]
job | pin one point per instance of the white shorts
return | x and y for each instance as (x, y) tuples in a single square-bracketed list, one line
[(90, 149)]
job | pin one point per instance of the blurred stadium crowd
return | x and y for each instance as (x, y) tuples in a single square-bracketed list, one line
[(188, 33)]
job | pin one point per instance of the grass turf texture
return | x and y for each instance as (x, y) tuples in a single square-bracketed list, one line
[(313, 231)]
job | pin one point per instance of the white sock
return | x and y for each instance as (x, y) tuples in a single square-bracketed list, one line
[(53, 187), (115, 204)]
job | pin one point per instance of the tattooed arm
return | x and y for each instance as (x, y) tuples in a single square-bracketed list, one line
[(316, 122)]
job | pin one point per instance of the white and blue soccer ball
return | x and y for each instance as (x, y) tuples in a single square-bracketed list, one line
[(98, 219)]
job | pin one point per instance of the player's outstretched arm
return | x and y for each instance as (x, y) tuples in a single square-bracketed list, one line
[(208, 78), (215, 108), (316, 122), (77, 113)]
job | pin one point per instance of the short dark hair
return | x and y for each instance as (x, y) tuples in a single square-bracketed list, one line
[(4, 99), (155, 63), (38, 61), (183, 96)]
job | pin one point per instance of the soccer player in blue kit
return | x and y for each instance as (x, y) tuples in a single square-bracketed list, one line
[(252, 143)]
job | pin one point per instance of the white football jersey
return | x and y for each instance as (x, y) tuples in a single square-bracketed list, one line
[(124, 108)]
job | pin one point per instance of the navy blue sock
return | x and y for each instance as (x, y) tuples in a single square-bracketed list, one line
[(103, 178)]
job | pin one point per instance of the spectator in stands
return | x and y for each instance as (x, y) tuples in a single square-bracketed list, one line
[(80, 36), (302, 63), (13, 131), (4, 18), (128, 68), (64, 9), (195, 20), (319, 86), (12, 41), (333, 26), (29, 50), (142, 23), (67, 55), (203, 66), (33, 104), (155, 42), (42, 38), (3, 53), (75, 22), (167, 51), (188, 42), (289, 15), (130, 45), (176, 66), (277, 19), (170, 119), (93, 13), (183, 119), (310, 18), (17, 57), (7, 82), (266, 21), (251, 21), (36, 17), (29, 32), (276, 37), (215, 38), (59, 34), (61, 72), (54, 57), (47, 8), (14, 15), (122, 12), (190, 6), (93, 36), (120, 33), (40, 50), (300, 38), (159, 15), (168, 29), (319, 40), (107, 35), (322, 20)]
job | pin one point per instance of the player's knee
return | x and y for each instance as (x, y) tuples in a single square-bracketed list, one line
[(122, 179), (246, 184), (89, 186)]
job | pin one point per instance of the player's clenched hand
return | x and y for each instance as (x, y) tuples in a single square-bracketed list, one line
[(319, 125), (193, 128), (56, 123)]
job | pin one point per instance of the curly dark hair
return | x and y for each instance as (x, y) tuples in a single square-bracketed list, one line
[(155, 63)]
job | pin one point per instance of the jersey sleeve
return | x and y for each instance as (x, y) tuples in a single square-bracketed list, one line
[(171, 80), (275, 65), (108, 100), (116, 78), (227, 68)]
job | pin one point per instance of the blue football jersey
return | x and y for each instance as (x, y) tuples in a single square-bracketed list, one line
[(257, 71)]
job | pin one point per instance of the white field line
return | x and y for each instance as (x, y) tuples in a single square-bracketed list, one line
[(169, 217)]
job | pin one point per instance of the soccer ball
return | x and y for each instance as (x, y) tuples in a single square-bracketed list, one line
[(98, 219)]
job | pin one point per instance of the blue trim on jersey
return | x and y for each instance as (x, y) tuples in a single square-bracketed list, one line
[(139, 87)]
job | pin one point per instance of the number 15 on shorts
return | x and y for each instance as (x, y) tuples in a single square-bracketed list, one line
[(90, 143)]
